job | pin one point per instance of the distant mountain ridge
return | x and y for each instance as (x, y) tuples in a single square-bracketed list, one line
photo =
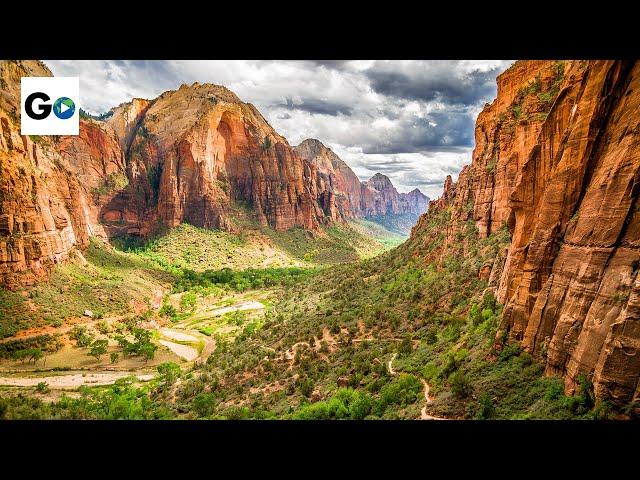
[(375, 199)]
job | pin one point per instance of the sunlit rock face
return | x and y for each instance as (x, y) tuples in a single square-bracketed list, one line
[(51, 188), (557, 160)]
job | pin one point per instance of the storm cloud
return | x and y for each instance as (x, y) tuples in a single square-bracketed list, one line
[(446, 81), (315, 105), (411, 120)]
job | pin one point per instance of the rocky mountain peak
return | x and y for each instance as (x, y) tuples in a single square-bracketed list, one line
[(416, 193), (380, 182)]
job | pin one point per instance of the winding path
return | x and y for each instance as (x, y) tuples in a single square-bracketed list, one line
[(183, 351), (423, 413)]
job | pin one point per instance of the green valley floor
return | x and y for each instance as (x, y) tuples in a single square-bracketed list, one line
[(344, 323)]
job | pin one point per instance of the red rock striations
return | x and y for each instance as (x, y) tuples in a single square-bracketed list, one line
[(557, 160), (48, 186), (198, 149)]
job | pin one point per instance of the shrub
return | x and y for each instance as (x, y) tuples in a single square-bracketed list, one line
[(188, 302), (98, 348), (237, 413), (103, 327), (204, 404), (148, 350), (305, 385), (517, 111), (406, 346), (587, 396), (79, 334), (554, 391), (486, 409), (42, 387), (402, 391), (474, 315), (460, 384), (510, 350), (169, 372), (167, 310)]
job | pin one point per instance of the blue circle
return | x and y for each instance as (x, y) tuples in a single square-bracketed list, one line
[(68, 113)]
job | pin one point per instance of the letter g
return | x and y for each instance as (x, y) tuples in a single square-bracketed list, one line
[(45, 110)]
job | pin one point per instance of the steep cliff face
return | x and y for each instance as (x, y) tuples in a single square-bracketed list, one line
[(380, 197), (47, 185), (195, 150), (417, 202), (124, 120), (338, 186), (192, 155), (557, 160)]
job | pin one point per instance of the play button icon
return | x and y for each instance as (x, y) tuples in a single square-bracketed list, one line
[(64, 108)]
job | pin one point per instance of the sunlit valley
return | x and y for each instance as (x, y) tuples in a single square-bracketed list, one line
[(179, 259)]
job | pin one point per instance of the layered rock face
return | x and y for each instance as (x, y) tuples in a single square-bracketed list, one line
[(380, 197), (557, 160), (195, 154), (193, 151), (338, 185), (48, 187), (125, 118)]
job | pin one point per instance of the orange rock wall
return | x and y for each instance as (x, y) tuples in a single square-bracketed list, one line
[(557, 160)]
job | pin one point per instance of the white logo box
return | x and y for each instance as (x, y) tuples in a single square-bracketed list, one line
[(55, 87)]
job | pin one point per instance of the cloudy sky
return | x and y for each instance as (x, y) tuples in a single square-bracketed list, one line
[(411, 120)]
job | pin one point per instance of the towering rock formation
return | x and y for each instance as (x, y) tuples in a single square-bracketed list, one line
[(557, 160), (125, 119), (193, 151), (48, 186), (336, 183), (380, 197), (193, 154), (377, 198)]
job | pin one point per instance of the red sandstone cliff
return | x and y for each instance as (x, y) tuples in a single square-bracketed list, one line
[(337, 185), (189, 155), (557, 160), (196, 150), (48, 186)]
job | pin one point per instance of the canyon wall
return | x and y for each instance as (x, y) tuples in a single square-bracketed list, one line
[(380, 197), (194, 152), (337, 185), (197, 154), (49, 186), (557, 162)]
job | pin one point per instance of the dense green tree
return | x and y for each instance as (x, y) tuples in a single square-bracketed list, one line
[(169, 372), (460, 384), (98, 348)]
